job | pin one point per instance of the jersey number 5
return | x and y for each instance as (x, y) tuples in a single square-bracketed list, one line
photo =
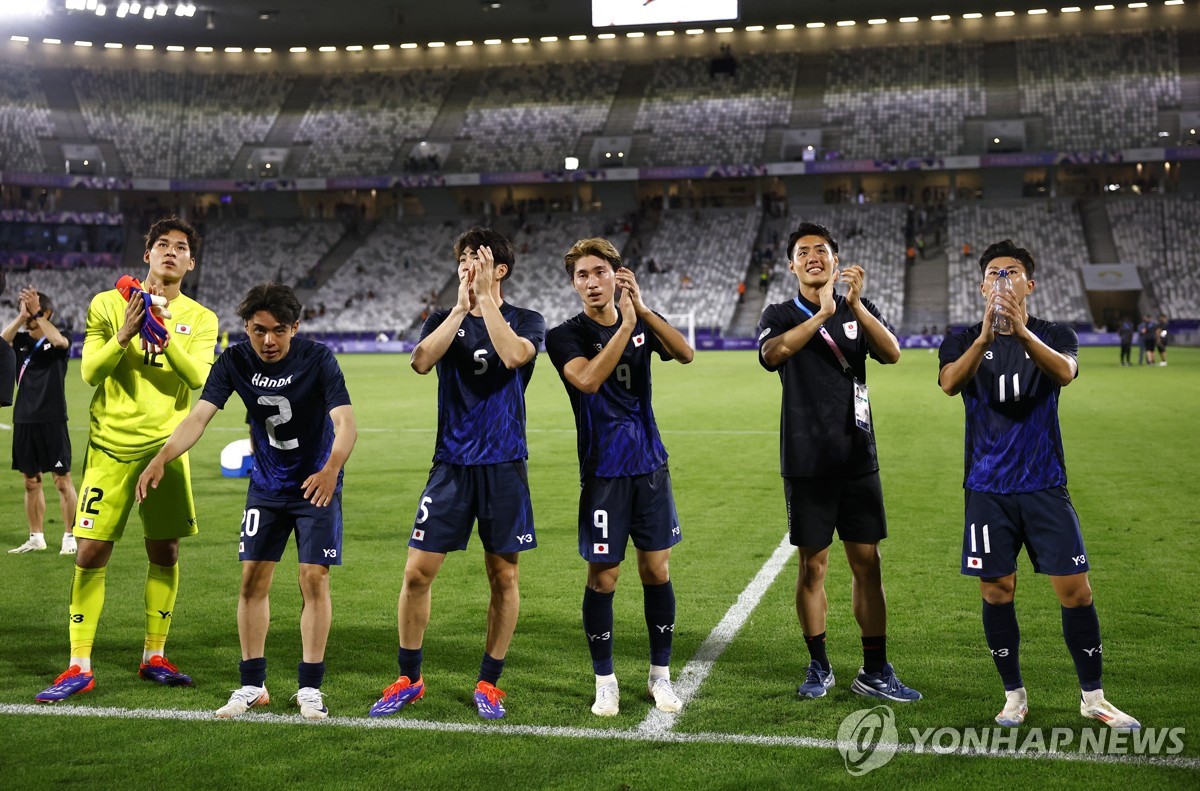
[(480, 360), (275, 421)]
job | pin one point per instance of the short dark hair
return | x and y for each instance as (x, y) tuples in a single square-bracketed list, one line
[(474, 238), (811, 229), (601, 248), (168, 224), (1007, 249), (275, 298), (44, 303)]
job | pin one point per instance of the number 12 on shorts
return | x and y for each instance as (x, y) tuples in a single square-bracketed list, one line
[(600, 523)]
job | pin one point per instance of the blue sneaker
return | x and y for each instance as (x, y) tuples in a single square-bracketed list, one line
[(72, 682), (883, 685), (816, 681), (397, 696), (488, 701), (160, 671)]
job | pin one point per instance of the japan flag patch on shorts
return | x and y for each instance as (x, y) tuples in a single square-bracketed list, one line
[(974, 563), (418, 535), (851, 329), (600, 549), (87, 523)]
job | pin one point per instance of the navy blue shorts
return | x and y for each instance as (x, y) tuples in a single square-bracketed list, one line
[(1044, 522), (456, 496), (819, 505), (614, 510), (268, 522)]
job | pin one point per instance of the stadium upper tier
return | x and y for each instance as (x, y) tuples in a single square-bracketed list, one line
[(1161, 236), (1079, 93)]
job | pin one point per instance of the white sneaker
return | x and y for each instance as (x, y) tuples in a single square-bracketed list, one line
[(312, 703), (664, 695), (241, 701), (1093, 705), (68, 545), (608, 700), (1016, 706), (36, 543)]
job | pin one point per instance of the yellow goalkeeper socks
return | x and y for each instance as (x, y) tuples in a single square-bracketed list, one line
[(87, 601), (162, 585)]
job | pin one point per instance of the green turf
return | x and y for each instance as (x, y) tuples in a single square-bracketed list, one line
[(1130, 438)]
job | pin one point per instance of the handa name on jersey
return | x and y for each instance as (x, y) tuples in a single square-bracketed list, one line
[(258, 380)]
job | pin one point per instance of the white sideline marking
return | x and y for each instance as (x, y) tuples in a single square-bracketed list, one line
[(635, 735), (701, 664)]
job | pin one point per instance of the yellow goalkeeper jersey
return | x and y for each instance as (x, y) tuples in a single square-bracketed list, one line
[(142, 396)]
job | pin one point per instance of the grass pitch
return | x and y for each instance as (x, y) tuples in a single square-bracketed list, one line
[(1131, 453)]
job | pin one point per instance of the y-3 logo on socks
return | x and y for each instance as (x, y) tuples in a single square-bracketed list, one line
[(1000, 652), (1093, 651), (602, 636), (670, 627), (165, 614)]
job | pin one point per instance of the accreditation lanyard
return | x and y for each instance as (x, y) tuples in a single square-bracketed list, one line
[(861, 401), (837, 352), (41, 342)]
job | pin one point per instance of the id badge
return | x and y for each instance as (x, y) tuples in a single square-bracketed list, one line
[(862, 406)]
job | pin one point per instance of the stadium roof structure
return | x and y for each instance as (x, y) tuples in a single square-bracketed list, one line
[(283, 24)]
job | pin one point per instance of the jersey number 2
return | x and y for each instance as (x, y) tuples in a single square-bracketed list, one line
[(275, 421)]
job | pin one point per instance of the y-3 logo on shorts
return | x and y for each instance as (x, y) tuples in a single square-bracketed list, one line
[(1079, 560), (330, 553), (527, 538)]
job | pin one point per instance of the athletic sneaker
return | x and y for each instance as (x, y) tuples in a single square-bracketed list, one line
[(664, 695), (883, 685), (160, 671), (816, 681), (68, 545), (312, 703), (241, 701), (35, 543), (487, 701), (72, 682), (608, 700), (397, 696), (1016, 706), (1093, 705)]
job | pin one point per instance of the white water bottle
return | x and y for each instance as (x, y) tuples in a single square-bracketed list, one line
[(1002, 285)]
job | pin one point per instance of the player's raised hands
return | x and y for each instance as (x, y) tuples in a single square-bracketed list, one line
[(135, 315), (26, 307), (485, 272), (627, 282), (466, 279), (854, 277), (320, 487), (826, 293), (625, 305)]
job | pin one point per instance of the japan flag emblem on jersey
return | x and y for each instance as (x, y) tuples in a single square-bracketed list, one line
[(974, 563), (183, 329), (851, 329), (639, 339), (600, 549), (418, 535)]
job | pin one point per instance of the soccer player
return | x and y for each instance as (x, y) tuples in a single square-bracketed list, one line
[(484, 350), (1016, 478), (603, 357), (8, 362), (303, 429), (40, 439), (142, 394), (819, 343)]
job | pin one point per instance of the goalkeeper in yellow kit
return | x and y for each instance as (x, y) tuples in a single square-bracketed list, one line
[(143, 360)]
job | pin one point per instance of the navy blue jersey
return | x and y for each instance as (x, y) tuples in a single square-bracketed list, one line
[(615, 427), (817, 431), (8, 373), (1013, 441), (289, 403), (481, 403)]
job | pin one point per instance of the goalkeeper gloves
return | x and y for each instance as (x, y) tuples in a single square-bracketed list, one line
[(153, 332)]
